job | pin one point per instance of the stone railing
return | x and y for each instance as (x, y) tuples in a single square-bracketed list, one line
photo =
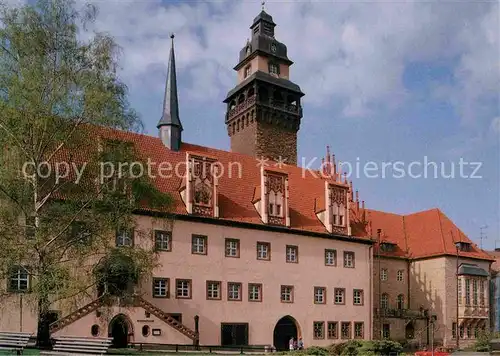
[(400, 313)]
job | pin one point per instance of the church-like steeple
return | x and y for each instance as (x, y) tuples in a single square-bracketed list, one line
[(170, 126)]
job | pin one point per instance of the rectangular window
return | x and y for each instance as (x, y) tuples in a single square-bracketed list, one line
[(400, 276), (474, 292), (319, 295), (339, 296), (454, 330), (232, 248), (467, 291), (481, 293), (273, 68), (319, 330), (234, 291), (287, 294), (30, 227), (346, 330), (19, 280), (183, 288), (199, 244), (330, 257), (357, 296), (255, 292), (386, 331), (214, 290), (163, 240), (161, 288), (264, 251), (248, 70), (292, 254), (348, 259), (81, 232), (333, 330), (459, 286), (383, 274), (469, 332), (358, 330), (124, 237), (461, 331)]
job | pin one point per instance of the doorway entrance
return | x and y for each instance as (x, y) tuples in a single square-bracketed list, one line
[(120, 327), (285, 329)]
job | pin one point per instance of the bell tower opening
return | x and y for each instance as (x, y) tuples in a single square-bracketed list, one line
[(264, 108)]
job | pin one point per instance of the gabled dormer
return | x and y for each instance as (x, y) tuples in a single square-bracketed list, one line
[(271, 197), (199, 188), (335, 213), (387, 246)]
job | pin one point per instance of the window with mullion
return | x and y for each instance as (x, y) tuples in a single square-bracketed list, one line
[(163, 240), (214, 290), (319, 295), (19, 280), (292, 254), (255, 292), (330, 257), (161, 288), (183, 289), (124, 237), (234, 292), (232, 248), (199, 244)]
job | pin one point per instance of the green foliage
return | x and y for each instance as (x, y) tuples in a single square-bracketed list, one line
[(482, 343), (58, 85)]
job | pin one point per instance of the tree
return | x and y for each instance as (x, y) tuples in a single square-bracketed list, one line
[(58, 207)]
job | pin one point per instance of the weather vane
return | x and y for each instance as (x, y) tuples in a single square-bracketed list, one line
[(263, 3)]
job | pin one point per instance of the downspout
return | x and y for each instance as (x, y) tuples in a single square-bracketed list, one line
[(370, 259), (379, 233)]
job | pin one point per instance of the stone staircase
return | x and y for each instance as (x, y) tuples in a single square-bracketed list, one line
[(139, 302), (167, 318), (74, 316)]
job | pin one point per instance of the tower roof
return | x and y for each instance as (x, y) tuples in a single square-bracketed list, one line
[(263, 16), (170, 114)]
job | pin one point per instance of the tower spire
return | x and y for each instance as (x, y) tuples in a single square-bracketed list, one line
[(170, 126)]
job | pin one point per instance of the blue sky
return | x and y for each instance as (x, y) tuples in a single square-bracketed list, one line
[(384, 81)]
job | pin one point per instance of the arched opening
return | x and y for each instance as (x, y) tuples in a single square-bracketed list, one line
[(121, 330), (410, 331), (251, 92), (94, 330), (241, 99), (263, 95), (285, 329), (116, 274)]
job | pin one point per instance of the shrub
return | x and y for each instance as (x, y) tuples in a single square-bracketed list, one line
[(317, 351), (483, 342)]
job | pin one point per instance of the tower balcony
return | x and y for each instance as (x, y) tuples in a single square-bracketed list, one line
[(252, 100)]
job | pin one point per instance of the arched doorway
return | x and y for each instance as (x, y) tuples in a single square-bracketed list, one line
[(286, 328), (410, 331), (120, 329)]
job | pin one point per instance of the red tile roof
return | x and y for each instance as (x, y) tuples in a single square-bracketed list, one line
[(423, 234)]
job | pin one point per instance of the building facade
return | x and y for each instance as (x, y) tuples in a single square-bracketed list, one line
[(258, 250)]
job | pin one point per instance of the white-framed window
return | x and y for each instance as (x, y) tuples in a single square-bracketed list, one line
[(160, 287), (319, 295), (234, 291), (199, 244), (358, 330), (255, 292), (292, 254), (383, 274), (348, 259), (401, 301), (263, 251), (357, 297), (163, 240), (232, 248), (339, 296), (124, 237), (214, 290), (330, 257), (287, 294), (183, 288), (399, 276), (384, 301), (19, 279), (319, 330)]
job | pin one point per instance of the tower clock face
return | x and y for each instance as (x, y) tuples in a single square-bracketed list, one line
[(273, 48)]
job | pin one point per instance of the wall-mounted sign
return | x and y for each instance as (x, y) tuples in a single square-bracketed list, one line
[(156, 332)]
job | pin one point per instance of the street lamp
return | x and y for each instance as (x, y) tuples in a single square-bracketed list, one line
[(457, 328)]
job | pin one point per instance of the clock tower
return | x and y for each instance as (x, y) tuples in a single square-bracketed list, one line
[(263, 109)]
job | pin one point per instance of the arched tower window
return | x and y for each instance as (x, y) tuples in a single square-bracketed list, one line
[(276, 189)]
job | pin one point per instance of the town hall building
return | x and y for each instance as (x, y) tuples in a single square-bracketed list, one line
[(256, 254)]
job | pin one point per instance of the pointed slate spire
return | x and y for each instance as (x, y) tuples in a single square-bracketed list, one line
[(170, 126)]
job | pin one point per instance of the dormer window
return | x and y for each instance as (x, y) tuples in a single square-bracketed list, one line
[(463, 246), (387, 247), (248, 70), (271, 198), (199, 187), (334, 214)]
